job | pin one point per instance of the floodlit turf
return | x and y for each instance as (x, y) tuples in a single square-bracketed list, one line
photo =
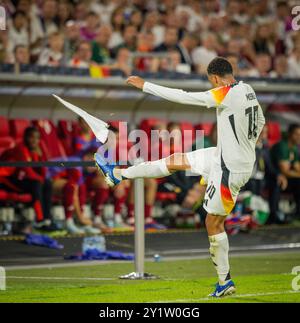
[(258, 278)]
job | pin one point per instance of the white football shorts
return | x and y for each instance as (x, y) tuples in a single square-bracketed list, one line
[(223, 186)]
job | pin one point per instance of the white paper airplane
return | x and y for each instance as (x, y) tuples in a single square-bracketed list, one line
[(99, 127)]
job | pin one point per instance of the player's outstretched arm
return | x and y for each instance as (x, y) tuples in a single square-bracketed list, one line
[(174, 95)]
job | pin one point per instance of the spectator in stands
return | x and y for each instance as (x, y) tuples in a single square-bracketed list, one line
[(145, 44), (84, 139), (25, 6), (285, 158), (186, 46), (263, 66), (233, 31), (129, 40), (283, 19), (170, 40), (118, 24), (104, 9), (234, 61), (173, 20), (21, 55), (281, 68), (80, 12), (53, 55), (248, 54), (33, 180), (136, 19), (96, 183), (83, 56), (264, 40), (242, 51), (171, 63), (64, 13), (152, 25), (167, 23), (72, 39), (123, 61), (89, 30), (43, 25), (101, 51), (18, 31), (294, 60), (3, 46), (203, 54)]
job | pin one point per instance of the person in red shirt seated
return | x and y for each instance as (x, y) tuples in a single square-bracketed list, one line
[(84, 138), (95, 182), (32, 180), (150, 184)]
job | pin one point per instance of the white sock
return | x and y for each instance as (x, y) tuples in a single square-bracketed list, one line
[(153, 169), (219, 249)]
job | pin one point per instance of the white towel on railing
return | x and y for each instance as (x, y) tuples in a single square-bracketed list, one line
[(99, 127)]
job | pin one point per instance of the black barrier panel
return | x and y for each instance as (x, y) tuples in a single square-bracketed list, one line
[(47, 164)]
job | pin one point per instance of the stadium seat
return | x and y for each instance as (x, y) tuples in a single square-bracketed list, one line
[(66, 130), (17, 128), (148, 124), (4, 129), (187, 127), (274, 133), (6, 143), (123, 143), (166, 196), (9, 197), (121, 126), (115, 123), (50, 142), (205, 126), (12, 197), (6, 140)]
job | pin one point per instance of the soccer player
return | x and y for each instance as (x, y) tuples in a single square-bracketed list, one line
[(225, 168)]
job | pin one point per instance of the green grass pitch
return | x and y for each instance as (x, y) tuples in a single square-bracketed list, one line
[(260, 278)]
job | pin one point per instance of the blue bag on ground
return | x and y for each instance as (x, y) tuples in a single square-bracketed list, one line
[(95, 254), (97, 242), (43, 241)]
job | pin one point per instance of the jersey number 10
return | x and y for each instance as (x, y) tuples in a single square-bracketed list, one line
[(252, 113)]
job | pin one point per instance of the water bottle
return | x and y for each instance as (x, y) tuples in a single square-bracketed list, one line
[(238, 210), (94, 243), (156, 257)]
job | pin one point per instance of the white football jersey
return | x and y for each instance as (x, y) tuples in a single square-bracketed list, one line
[(239, 120)]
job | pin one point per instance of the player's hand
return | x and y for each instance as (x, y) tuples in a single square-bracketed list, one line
[(136, 81), (282, 181)]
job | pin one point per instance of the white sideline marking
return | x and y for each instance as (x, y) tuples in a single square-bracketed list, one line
[(58, 278), (244, 248), (228, 297)]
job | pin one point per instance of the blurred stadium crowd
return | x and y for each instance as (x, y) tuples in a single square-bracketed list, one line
[(58, 197), (182, 36)]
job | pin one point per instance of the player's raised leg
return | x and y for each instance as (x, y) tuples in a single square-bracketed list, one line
[(152, 169)]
